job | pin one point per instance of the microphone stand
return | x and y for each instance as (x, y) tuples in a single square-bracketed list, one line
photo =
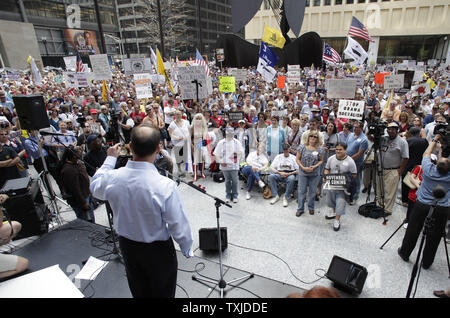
[(218, 203)]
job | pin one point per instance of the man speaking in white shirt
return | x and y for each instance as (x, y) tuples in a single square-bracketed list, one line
[(148, 212)]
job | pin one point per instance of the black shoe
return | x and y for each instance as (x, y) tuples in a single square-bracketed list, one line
[(317, 197), (402, 257), (426, 266), (364, 190), (440, 294), (299, 213)]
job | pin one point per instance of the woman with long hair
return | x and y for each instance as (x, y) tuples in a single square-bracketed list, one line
[(199, 132), (309, 158), (294, 137), (179, 131), (276, 136), (404, 124)]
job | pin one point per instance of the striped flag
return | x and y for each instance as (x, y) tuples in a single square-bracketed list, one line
[(330, 54), (200, 61), (80, 65), (71, 92), (357, 29)]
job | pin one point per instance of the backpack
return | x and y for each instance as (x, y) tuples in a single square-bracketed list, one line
[(371, 210), (218, 177)]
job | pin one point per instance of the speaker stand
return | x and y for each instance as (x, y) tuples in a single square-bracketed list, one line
[(221, 282)]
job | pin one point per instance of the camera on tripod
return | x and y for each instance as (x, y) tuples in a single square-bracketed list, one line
[(376, 129), (81, 120)]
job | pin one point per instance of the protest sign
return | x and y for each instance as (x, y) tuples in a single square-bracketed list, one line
[(293, 68), (76, 80), (311, 85), (58, 79), (240, 75), (158, 79), (188, 88), (137, 66), (143, 85), (293, 77), (408, 80), (420, 90), (101, 67), (441, 89), (281, 81), (220, 55), (71, 62), (235, 116), (379, 78), (351, 109), (359, 80), (341, 88), (227, 84), (335, 182), (394, 81), (12, 77)]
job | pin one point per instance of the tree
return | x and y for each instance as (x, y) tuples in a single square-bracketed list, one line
[(174, 14)]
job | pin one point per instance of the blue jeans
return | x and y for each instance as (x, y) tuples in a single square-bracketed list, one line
[(336, 200), (251, 176), (304, 182), (231, 183), (359, 169), (87, 215), (274, 179)]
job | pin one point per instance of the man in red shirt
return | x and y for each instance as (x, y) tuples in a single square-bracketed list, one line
[(217, 119), (137, 113)]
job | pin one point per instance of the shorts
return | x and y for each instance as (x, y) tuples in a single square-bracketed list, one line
[(8, 262)]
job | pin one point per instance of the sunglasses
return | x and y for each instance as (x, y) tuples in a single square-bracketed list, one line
[(313, 136)]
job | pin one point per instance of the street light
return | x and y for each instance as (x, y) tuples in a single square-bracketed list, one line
[(120, 45)]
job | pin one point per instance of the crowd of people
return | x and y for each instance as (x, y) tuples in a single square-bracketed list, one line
[(285, 141)]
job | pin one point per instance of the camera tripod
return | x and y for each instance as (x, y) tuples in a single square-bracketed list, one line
[(376, 170)]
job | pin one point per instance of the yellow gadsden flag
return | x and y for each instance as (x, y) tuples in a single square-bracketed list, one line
[(105, 91), (273, 37), (162, 70)]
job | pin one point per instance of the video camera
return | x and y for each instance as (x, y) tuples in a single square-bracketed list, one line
[(81, 120), (443, 129), (376, 129)]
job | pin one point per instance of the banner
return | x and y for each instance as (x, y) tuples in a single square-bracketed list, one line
[(351, 109), (81, 41), (188, 89), (71, 63), (355, 51), (227, 84), (341, 88), (266, 63), (100, 67), (137, 66), (273, 37), (394, 81), (143, 84)]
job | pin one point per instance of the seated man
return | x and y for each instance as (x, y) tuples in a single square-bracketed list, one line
[(10, 264), (284, 169)]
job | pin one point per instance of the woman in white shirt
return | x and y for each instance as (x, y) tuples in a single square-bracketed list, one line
[(256, 162), (199, 131), (179, 131)]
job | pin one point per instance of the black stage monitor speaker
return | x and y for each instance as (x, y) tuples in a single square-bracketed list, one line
[(209, 241), (29, 209), (31, 112), (347, 276)]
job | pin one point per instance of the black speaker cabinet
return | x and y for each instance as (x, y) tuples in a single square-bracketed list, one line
[(29, 210), (346, 275), (209, 241), (31, 112)]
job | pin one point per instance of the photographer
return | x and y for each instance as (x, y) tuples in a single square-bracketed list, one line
[(9, 264), (394, 158), (432, 175)]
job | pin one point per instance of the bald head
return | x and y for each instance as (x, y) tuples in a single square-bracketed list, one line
[(145, 140)]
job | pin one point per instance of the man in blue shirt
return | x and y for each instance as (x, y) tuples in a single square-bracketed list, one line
[(148, 212), (432, 176), (357, 144), (6, 103)]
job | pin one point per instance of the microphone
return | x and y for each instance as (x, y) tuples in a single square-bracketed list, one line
[(46, 133)]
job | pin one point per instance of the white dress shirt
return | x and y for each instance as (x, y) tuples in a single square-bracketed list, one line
[(147, 206)]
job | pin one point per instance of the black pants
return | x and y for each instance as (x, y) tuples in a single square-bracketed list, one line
[(405, 189), (434, 235), (151, 268)]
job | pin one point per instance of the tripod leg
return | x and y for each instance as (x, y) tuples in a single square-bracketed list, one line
[(404, 221), (444, 237)]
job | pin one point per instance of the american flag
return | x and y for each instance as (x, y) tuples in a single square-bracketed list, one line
[(358, 30), (80, 66), (200, 61), (330, 54), (71, 92)]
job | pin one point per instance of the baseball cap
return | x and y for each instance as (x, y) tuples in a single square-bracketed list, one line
[(393, 124), (315, 109), (91, 138), (241, 121), (93, 111)]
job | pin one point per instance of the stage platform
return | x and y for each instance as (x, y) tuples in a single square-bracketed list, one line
[(73, 243)]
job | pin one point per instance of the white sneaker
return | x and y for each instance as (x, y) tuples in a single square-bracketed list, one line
[(235, 200), (248, 196), (336, 225), (227, 200), (405, 226), (330, 216), (261, 184), (275, 200), (285, 201)]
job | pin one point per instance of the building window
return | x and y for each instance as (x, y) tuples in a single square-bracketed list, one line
[(361, 1), (349, 1), (338, 2), (317, 3), (327, 2)]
